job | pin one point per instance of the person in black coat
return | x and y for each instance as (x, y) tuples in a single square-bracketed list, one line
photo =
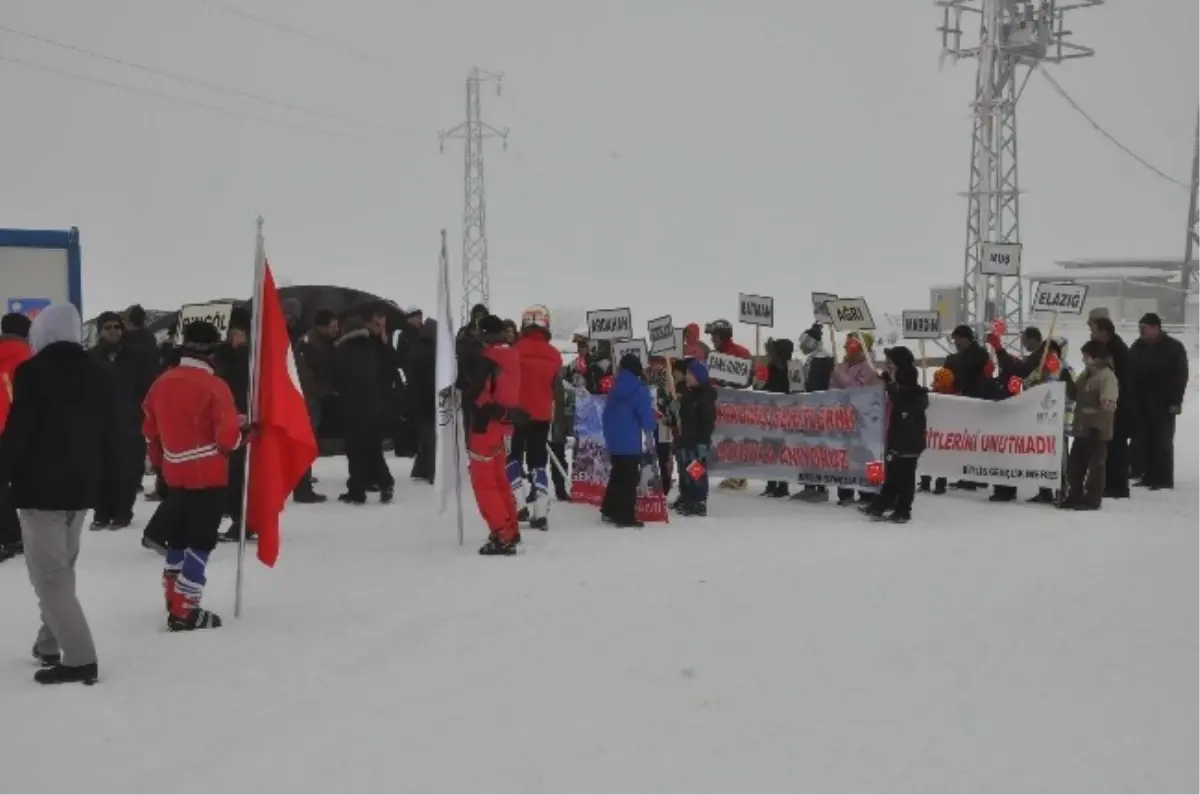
[(123, 475), (1010, 366), (908, 403), (408, 432), (697, 421), (779, 357), (231, 363), (972, 366), (61, 437), (358, 373), (1159, 369), (422, 399), (1116, 479)]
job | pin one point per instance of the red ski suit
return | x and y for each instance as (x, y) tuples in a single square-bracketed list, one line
[(540, 363), (498, 382)]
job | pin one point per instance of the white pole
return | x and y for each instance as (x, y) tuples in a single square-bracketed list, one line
[(455, 410), (260, 265)]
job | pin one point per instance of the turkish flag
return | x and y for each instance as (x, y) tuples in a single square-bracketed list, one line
[(284, 447)]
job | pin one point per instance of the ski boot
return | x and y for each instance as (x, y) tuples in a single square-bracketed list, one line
[(496, 547)]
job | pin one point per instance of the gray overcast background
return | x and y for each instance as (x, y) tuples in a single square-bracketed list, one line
[(664, 154)]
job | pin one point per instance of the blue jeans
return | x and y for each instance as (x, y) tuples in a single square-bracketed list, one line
[(693, 489)]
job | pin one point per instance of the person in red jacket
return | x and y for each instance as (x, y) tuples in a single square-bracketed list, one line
[(540, 364), (191, 425), (721, 334), (490, 382), (14, 350)]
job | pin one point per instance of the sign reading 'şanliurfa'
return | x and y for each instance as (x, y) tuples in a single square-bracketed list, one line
[(610, 324)]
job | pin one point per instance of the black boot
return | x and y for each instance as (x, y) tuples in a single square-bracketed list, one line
[(939, 486), (386, 494), (304, 495), (496, 547), (197, 618), (46, 659), (925, 484), (59, 674), (353, 498)]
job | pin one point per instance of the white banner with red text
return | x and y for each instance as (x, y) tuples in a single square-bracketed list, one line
[(1014, 442)]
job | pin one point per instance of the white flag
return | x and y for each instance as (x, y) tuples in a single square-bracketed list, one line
[(448, 473)]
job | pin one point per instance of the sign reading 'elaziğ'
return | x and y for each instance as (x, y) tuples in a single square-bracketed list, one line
[(756, 310), (1065, 299), (922, 324), (610, 324), (730, 370), (850, 314)]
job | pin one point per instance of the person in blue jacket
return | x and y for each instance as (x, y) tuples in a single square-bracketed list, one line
[(628, 418)]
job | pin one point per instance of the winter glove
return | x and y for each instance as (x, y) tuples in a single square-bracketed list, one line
[(993, 340)]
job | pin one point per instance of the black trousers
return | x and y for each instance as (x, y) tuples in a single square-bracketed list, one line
[(899, 487), (237, 480), (10, 526), (1116, 471), (620, 498), (1158, 448), (365, 461), (423, 462), (193, 518), (158, 529), (1086, 470), (529, 445), (119, 488), (561, 487), (666, 463)]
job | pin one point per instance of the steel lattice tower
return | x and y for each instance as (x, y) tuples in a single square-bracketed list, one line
[(473, 131), (1187, 279), (1015, 36)]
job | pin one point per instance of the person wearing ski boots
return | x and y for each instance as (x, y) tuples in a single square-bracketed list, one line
[(490, 382), (540, 363), (192, 426)]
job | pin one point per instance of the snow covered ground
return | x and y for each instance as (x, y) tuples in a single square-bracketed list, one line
[(771, 647)]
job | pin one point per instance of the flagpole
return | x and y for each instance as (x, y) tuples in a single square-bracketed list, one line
[(456, 413), (260, 260)]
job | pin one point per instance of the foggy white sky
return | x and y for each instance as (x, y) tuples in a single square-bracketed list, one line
[(664, 155)]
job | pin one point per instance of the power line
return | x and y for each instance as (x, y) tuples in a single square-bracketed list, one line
[(239, 114), (282, 27), (1062, 92), (212, 86)]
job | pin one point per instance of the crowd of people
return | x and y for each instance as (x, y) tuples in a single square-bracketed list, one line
[(78, 427)]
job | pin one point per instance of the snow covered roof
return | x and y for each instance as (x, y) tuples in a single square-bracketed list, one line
[(1122, 263), (1106, 274)]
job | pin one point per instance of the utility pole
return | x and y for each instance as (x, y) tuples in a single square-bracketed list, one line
[(473, 130), (1012, 34), (1187, 279)]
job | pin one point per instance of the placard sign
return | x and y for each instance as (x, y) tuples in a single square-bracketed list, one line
[(820, 310), (922, 324), (625, 348), (850, 314), (677, 349), (756, 310), (1000, 259), (661, 335), (796, 376), (730, 369), (216, 313), (1065, 299), (610, 324)]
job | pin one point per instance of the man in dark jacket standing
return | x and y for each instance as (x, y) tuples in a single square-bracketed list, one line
[(421, 394), (231, 363), (1159, 365), (1116, 479), (391, 385), (310, 386), (363, 408), (408, 432), (59, 440), (123, 474)]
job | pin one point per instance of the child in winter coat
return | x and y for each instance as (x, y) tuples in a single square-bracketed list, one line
[(853, 372), (697, 420), (779, 356), (1096, 395), (628, 418), (661, 380), (908, 402)]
